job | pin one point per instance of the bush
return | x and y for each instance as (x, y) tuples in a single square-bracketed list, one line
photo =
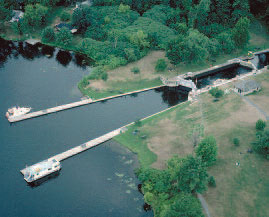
[(104, 76), (260, 125), (135, 70), (138, 123), (98, 73), (48, 34), (216, 92), (65, 16), (211, 181), (236, 141), (160, 65)]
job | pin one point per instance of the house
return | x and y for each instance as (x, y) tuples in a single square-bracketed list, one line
[(65, 25), (17, 16), (79, 4), (247, 86)]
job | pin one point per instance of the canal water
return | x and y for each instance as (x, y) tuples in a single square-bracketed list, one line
[(99, 182)]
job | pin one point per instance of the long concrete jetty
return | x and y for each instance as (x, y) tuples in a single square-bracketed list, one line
[(85, 146), (72, 105), (95, 142)]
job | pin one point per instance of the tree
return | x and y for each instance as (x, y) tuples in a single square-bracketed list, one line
[(189, 174), (124, 8), (65, 16), (140, 39), (64, 36), (207, 150), (185, 205), (226, 42), (261, 145), (48, 34), (35, 15), (160, 65), (82, 18), (216, 92), (240, 32), (5, 13), (192, 48), (260, 125), (240, 9), (200, 14)]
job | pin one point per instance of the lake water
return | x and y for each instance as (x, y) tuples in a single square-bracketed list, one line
[(99, 182)]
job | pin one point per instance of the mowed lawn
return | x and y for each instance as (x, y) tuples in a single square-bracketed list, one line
[(242, 190)]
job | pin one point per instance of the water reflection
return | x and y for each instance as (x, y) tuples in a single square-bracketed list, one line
[(63, 57), (47, 51), (173, 96), (9, 49), (44, 179), (223, 74)]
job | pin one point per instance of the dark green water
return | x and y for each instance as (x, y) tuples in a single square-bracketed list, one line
[(99, 182)]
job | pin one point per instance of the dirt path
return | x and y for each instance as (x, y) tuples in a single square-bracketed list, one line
[(250, 102), (204, 204)]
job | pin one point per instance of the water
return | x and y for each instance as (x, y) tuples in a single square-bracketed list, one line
[(99, 182), (222, 74)]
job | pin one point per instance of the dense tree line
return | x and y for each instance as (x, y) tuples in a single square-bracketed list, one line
[(191, 31)]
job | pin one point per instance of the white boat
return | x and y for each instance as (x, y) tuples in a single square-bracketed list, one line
[(17, 111), (40, 170)]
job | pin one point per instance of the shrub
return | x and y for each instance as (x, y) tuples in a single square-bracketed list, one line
[(135, 70), (65, 16), (260, 125), (48, 34), (216, 92), (160, 65), (104, 76), (236, 141), (138, 123), (98, 73), (211, 181)]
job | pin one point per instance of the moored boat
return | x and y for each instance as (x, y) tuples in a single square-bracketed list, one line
[(41, 169), (17, 111)]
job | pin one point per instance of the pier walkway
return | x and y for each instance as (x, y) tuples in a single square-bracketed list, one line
[(85, 146), (72, 105)]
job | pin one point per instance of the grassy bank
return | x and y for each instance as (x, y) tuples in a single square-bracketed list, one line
[(241, 189)]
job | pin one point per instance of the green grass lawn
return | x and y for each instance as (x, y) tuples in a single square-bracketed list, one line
[(119, 88)]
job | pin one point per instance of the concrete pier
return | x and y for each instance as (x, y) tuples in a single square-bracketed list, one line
[(78, 149), (72, 105)]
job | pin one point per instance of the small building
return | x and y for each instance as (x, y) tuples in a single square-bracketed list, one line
[(17, 16), (84, 3), (247, 86), (65, 25)]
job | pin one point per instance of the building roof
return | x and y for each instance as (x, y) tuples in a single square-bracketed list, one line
[(17, 15), (66, 25), (247, 85)]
